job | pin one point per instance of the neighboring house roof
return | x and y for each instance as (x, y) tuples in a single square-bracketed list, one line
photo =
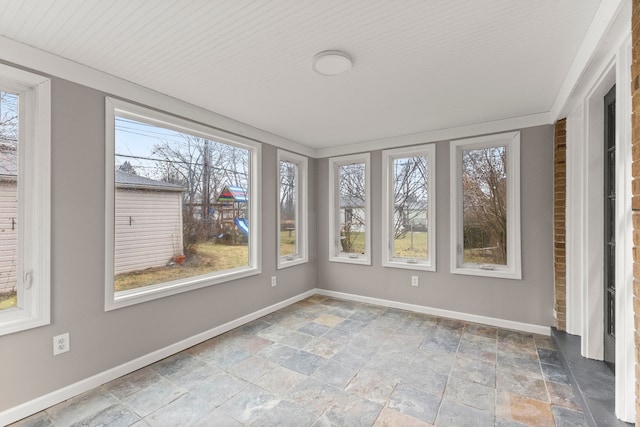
[(9, 171), (125, 180), (413, 205), (232, 193), (351, 202)]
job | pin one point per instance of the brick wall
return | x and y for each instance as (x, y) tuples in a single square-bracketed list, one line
[(635, 201), (559, 230)]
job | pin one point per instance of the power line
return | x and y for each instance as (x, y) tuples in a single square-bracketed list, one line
[(130, 156)]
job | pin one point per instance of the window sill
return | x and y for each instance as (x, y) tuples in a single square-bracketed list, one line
[(502, 273), (130, 297), (16, 319), (283, 262), (346, 259), (421, 266)]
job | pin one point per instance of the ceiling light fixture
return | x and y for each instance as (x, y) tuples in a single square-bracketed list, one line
[(332, 63)]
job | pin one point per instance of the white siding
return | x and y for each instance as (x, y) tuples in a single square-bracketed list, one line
[(148, 228), (8, 234)]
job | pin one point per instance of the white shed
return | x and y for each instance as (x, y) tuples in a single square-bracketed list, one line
[(8, 232), (148, 222), (8, 216)]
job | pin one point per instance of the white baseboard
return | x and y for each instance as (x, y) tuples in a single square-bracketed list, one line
[(43, 402), (492, 321)]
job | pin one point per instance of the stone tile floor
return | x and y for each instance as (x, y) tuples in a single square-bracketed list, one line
[(329, 362)]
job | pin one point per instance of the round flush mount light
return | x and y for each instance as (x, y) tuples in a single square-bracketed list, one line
[(332, 62)]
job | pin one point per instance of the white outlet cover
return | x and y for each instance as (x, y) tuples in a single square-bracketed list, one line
[(273, 280), (415, 281), (61, 344)]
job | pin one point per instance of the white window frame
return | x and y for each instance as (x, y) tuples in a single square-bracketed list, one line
[(302, 210), (34, 201), (335, 253), (388, 178), (513, 268), (113, 300)]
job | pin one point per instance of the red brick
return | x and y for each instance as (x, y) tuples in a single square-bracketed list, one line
[(559, 204)]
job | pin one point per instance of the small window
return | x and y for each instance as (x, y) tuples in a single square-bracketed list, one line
[(25, 146), (182, 205), (485, 205), (292, 209), (409, 207), (349, 209)]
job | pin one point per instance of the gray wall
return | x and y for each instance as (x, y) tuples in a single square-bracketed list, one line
[(99, 340), (102, 340), (529, 300)]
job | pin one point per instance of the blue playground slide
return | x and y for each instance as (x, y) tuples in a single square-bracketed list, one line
[(243, 225)]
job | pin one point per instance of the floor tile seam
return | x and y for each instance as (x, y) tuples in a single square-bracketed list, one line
[(140, 417), (151, 413), (521, 395), (492, 410), (435, 419), (566, 407), (551, 364), (520, 373), (386, 403), (118, 401), (446, 386), (482, 360), (546, 387)]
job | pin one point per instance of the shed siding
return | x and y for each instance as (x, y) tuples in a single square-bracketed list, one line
[(8, 235), (153, 235)]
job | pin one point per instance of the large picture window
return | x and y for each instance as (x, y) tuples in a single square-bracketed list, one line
[(349, 209), (182, 202), (409, 207), (292, 209), (485, 203), (25, 200)]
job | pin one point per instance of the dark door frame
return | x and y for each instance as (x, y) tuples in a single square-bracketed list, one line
[(609, 227)]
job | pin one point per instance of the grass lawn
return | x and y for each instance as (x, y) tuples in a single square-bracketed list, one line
[(357, 247), (8, 300), (287, 243), (482, 256), (206, 258), (403, 248)]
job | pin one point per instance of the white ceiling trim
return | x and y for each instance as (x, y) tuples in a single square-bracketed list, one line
[(600, 28), (45, 62), (478, 129)]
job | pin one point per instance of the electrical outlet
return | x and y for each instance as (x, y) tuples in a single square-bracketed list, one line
[(61, 344), (273, 281), (415, 281)]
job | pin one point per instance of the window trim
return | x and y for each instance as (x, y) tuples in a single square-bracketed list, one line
[(388, 156), (34, 206), (302, 210), (513, 269), (116, 107), (335, 255)]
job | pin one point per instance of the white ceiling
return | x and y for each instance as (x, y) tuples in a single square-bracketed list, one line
[(419, 65)]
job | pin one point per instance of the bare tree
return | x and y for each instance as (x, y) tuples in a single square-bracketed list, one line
[(8, 117), (410, 194), (127, 167), (351, 193), (484, 181), (8, 133), (182, 163), (204, 168), (288, 172), (8, 167)]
